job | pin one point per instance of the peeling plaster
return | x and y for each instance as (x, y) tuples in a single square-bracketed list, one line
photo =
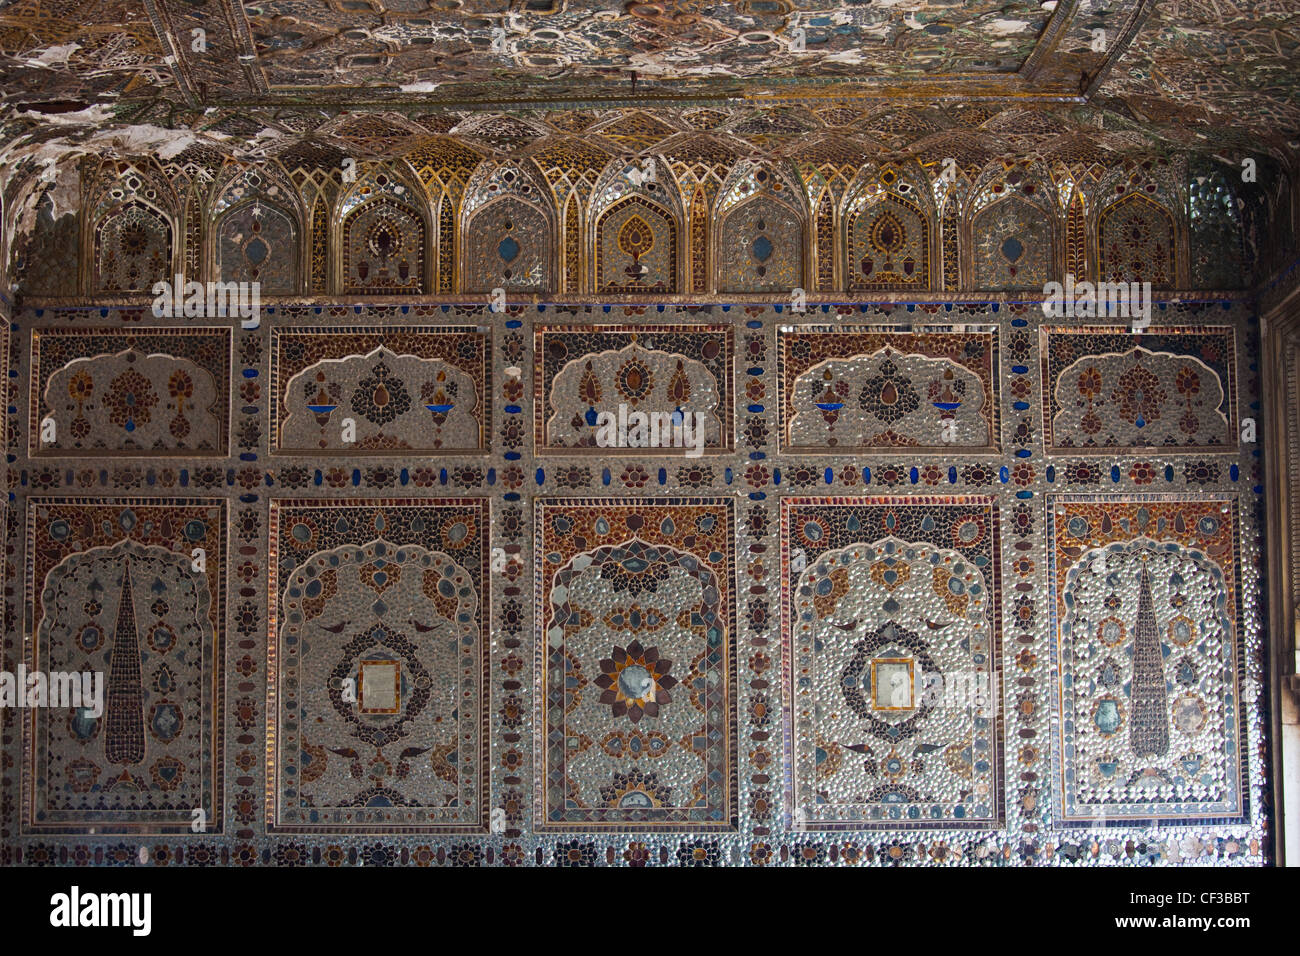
[(52, 55), (1007, 27), (62, 154)]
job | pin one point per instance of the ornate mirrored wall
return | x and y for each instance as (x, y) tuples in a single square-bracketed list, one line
[(945, 582), (650, 449)]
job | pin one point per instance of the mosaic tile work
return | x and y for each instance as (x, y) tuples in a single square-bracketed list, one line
[(1012, 243), (1136, 241), (376, 391), (135, 590), (583, 371), (133, 245), (145, 393), (636, 248), (688, 40), (1146, 603), (1107, 390), (889, 247), (847, 389), (691, 205), (383, 248), (635, 664), (890, 610), (256, 242), (638, 693), (760, 247), (504, 251), (377, 665)]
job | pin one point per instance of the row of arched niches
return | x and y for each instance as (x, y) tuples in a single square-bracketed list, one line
[(445, 219)]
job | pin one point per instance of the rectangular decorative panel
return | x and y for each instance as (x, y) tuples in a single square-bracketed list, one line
[(583, 371), (891, 611), (133, 590), (1109, 391), (847, 389), (1146, 600), (377, 665), (380, 391), (145, 393), (635, 664)]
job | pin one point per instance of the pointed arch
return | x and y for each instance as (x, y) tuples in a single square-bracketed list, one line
[(761, 246), (1136, 242), (384, 235), (1217, 250), (636, 248), (254, 231), (508, 245), (1015, 230), (258, 241), (1011, 245), (132, 234), (888, 244), (134, 244), (44, 258), (508, 230)]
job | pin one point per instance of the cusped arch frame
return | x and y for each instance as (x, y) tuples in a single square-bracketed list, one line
[(794, 201), (1171, 208), (412, 199), (468, 211), (973, 218)]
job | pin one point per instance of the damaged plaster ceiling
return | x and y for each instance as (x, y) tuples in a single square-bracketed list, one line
[(355, 50), (974, 79)]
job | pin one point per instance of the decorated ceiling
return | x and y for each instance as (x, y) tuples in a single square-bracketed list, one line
[(1216, 64), (485, 49), (1082, 86)]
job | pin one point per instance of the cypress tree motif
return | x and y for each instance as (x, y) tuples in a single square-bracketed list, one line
[(1149, 726), (124, 707)]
